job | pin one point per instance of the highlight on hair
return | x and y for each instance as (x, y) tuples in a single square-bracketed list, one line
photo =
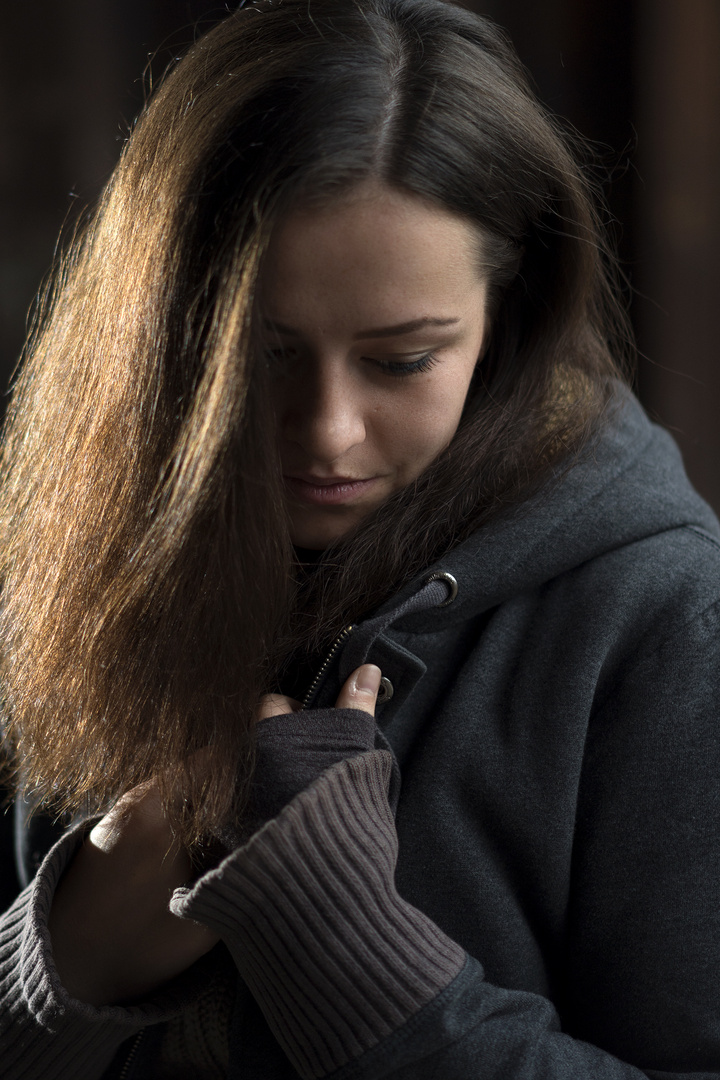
[(149, 589)]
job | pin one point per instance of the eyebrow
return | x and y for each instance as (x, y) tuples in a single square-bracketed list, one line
[(377, 332)]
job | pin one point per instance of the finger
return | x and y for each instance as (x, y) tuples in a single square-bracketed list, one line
[(276, 705), (361, 689)]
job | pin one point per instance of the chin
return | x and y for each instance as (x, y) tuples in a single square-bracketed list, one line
[(318, 535), (314, 541)]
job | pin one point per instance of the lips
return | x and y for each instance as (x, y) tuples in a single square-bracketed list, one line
[(327, 490), (326, 481)]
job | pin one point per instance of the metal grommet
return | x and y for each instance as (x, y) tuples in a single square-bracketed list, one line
[(385, 692), (451, 583)]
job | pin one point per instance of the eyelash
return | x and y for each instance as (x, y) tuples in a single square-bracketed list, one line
[(395, 368)]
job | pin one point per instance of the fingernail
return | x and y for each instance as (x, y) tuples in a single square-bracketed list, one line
[(368, 678)]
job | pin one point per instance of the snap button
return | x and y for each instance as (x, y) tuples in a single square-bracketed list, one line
[(385, 692), (451, 583)]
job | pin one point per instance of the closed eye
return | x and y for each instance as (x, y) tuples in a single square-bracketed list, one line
[(280, 355), (404, 367)]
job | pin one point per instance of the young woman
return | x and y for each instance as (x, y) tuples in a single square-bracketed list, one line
[(352, 608)]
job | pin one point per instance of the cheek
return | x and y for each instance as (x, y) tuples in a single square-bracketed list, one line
[(424, 425)]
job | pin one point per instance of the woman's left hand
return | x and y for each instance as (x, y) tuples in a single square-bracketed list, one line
[(359, 691), (113, 936)]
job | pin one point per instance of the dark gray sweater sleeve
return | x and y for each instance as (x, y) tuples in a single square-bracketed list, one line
[(335, 958), (293, 750), (44, 1033)]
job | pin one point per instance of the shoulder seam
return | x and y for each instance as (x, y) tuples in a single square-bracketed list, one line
[(703, 535)]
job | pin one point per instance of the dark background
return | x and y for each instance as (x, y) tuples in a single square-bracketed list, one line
[(641, 78)]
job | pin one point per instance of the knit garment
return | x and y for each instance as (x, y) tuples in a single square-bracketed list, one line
[(195, 1043), (335, 958)]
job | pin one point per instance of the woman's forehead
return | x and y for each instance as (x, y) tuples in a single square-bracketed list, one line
[(383, 257)]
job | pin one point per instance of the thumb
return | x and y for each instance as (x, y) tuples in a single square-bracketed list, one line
[(361, 689)]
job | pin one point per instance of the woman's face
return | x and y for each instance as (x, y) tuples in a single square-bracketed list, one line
[(374, 316)]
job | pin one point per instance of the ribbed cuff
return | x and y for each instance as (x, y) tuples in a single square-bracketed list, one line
[(43, 1031), (308, 909)]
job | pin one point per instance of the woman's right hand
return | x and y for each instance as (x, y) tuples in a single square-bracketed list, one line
[(113, 935)]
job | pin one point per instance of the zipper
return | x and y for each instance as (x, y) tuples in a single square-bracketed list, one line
[(339, 641), (125, 1071)]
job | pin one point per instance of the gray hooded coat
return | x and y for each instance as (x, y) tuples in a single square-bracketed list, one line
[(544, 904)]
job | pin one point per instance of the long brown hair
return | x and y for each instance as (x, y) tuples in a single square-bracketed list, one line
[(149, 590)]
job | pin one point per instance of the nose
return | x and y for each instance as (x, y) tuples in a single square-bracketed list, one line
[(324, 412)]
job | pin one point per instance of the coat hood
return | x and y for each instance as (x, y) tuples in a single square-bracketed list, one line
[(628, 484)]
